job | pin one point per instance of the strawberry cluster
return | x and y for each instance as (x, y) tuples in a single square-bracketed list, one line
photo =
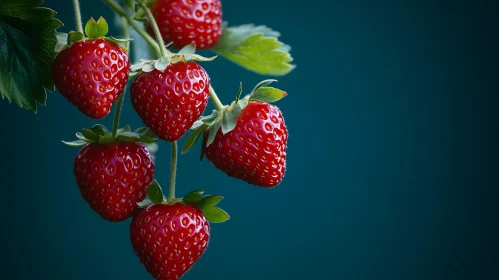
[(114, 170)]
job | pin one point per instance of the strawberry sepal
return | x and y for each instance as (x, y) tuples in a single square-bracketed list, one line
[(100, 134)]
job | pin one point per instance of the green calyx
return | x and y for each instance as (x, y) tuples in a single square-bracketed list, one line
[(207, 204), (93, 30), (100, 134), (185, 55), (226, 119)]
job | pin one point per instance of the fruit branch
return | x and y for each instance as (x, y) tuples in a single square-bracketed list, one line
[(216, 101), (123, 14), (79, 24), (119, 105), (155, 28), (173, 172)]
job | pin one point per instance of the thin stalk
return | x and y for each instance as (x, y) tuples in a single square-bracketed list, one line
[(123, 14), (173, 171), (216, 101), (119, 105), (79, 24), (155, 28)]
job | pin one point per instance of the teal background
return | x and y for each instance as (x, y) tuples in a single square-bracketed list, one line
[(392, 158)]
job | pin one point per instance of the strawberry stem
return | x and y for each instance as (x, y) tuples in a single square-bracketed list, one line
[(216, 101), (79, 24), (123, 14), (173, 171), (119, 105), (155, 27)]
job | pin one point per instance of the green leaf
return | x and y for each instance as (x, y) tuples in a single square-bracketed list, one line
[(118, 41), (211, 200), (255, 48), (27, 48), (145, 202), (99, 129), (155, 193), (229, 122), (146, 140), (90, 135), (162, 63), (191, 141), (188, 49), (145, 131), (74, 37), (214, 129), (238, 95), (264, 83), (240, 105), (106, 139), (193, 196), (127, 128), (128, 137), (97, 29), (62, 41), (267, 94), (76, 143), (214, 214)]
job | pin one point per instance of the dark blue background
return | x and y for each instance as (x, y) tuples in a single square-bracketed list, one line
[(392, 157)]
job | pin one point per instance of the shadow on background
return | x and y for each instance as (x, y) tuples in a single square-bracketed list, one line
[(392, 158)]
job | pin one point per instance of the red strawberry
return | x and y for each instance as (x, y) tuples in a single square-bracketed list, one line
[(186, 22), (170, 101), (91, 74), (114, 177), (255, 151), (169, 239)]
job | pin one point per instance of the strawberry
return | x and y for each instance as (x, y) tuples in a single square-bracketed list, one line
[(184, 22), (91, 73), (170, 101), (255, 150), (169, 239), (113, 177)]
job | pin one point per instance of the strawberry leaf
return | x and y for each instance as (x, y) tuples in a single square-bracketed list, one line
[(211, 200), (76, 143), (74, 37), (214, 129), (193, 196), (255, 48), (90, 135), (155, 193), (214, 214), (229, 121), (264, 83), (128, 137), (28, 42), (99, 129), (191, 141), (96, 29), (267, 94)]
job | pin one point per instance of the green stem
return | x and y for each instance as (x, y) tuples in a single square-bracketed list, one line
[(155, 27), (79, 25), (216, 101), (173, 171), (119, 105), (120, 11)]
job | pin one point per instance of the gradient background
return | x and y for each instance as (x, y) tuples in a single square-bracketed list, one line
[(392, 158)]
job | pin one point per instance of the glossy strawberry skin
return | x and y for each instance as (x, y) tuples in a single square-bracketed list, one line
[(255, 151), (186, 22), (170, 101), (91, 74), (169, 239), (113, 178)]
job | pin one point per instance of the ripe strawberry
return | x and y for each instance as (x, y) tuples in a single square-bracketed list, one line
[(114, 177), (169, 239), (91, 74), (186, 22), (255, 151), (170, 101)]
